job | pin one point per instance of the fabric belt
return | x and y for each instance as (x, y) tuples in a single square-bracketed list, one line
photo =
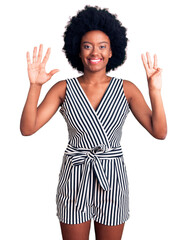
[(90, 158)]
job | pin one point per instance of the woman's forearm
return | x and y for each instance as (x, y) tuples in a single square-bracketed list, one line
[(29, 114), (159, 123)]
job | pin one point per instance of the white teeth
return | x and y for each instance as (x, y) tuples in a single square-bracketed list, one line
[(95, 61)]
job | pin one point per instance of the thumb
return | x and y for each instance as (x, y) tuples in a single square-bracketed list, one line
[(52, 72), (160, 70)]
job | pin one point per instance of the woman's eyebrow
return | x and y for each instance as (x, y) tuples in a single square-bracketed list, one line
[(104, 42), (99, 42)]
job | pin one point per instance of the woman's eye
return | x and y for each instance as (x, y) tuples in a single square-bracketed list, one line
[(87, 47), (103, 46)]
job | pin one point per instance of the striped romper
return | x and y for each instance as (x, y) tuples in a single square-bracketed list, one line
[(93, 180)]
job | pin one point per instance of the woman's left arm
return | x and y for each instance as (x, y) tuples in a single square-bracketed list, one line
[(154, 121)]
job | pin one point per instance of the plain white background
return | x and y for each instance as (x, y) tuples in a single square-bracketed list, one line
[(29, 166)]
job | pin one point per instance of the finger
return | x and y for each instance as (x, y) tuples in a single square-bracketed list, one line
[(158, 72), (155, 65), (34, 54), (46, 56), (51, 73), (28, 58), (144, 62), (149, 62), (40, 53)]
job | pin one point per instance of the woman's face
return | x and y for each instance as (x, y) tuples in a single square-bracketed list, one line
[(95, 51)]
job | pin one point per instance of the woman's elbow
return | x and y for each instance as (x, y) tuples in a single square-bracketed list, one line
[(25, 132), (161, 135)]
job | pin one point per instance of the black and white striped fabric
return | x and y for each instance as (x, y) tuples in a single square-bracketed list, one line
[(93, 180)]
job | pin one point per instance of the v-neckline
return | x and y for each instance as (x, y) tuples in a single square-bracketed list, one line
[(95, 110)]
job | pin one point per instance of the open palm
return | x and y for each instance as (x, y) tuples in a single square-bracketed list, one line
[(36, 69), (153, 72)]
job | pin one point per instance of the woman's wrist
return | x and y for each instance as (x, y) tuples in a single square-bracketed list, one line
[(154, 92), (35, 85)]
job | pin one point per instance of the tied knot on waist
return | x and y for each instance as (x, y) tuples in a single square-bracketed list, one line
[(99, 148), (77, 156), (96, 150)]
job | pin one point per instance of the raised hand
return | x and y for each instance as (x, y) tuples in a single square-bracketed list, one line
[(153, 72), (36, 69)]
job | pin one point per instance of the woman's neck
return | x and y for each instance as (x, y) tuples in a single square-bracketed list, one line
[(94, 78)]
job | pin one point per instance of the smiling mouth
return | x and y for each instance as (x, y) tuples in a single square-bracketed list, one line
[(95, 61)]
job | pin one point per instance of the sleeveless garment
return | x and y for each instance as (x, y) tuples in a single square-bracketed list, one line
[(93, 180)]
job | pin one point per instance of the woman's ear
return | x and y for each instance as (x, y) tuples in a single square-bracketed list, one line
[(110, 55)]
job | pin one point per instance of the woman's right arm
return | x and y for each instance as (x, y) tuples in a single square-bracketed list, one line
[(33, 117)]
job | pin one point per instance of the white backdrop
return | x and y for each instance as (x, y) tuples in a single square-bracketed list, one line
[(29, 166)]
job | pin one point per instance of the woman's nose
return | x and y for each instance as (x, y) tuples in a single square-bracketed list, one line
[(94, 51)]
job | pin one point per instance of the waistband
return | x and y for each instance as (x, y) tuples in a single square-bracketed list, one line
[(91, 158), (100, 150)]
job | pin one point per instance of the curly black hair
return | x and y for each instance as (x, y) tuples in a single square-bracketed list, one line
[(95, 18)]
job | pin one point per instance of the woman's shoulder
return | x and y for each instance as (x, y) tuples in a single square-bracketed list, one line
[(128, 84), (130, 89), (59, 88)]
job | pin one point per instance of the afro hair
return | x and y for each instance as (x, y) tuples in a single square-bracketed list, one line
[(94, 18)]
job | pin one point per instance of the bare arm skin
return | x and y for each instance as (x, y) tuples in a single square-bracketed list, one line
[(33, 117), (153, 121)]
